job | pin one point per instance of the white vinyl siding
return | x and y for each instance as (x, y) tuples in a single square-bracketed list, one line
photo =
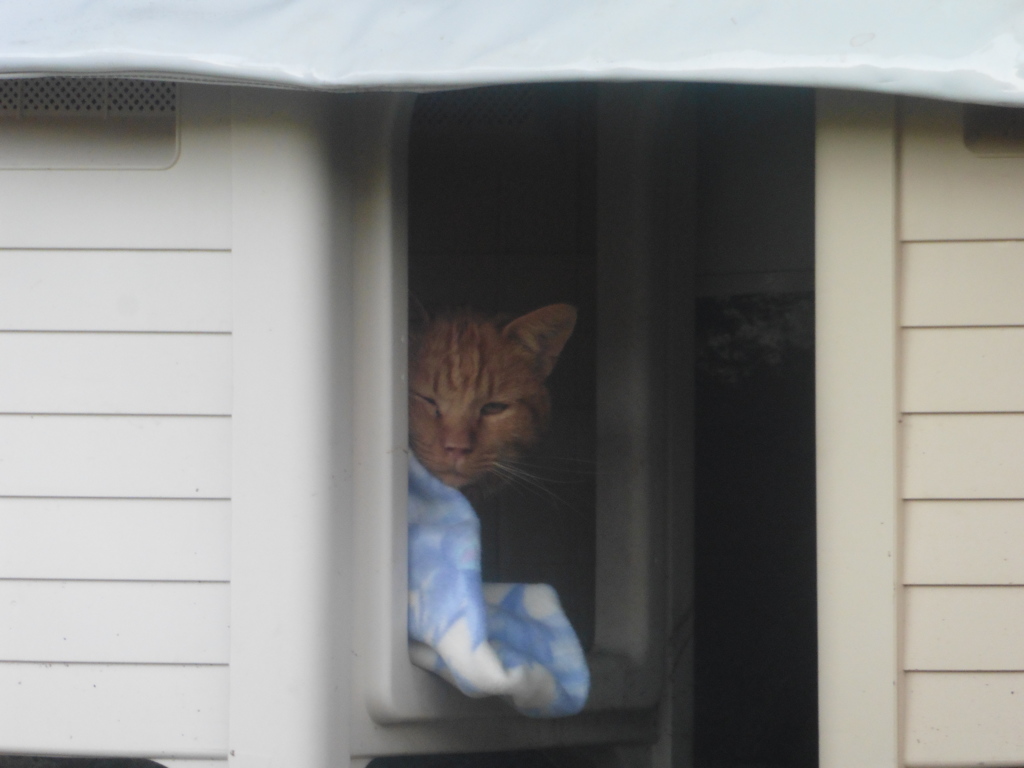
[(136, 622), (963, 628), (104, 290), (114, 709), (963, 542), (962, 283), (115, 456), (115, 452), (963, 456), (962, 398), (963, 369), (964, 718), (146, 539), (116, 373)]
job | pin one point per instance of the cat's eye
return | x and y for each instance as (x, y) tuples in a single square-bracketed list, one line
[(429, 401), (492, 409)]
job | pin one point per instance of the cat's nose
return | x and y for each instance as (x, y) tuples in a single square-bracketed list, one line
[(456, 451), (458, 443)]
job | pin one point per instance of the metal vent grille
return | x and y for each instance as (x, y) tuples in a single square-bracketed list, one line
[(994, 131), (493, 108), (87, 96)]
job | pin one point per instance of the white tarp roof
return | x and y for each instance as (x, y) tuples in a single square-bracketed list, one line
[(967, 50)]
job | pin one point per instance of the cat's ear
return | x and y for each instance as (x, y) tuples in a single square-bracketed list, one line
[(544, 332), (419, 319)]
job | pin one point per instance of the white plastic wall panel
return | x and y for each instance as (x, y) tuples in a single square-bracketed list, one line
[(104, 290), (963, 369), (187, 206), (964, 718), (963, 542), (949, 192), (963, 456), (962, 283), (291, 460), (115, 443), (135, 539), (114, 709), (111, 621), (172, 763), (115, 456), (151, 373), (964, 628)]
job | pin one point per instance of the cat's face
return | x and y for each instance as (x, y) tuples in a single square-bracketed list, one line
[(476, 389)]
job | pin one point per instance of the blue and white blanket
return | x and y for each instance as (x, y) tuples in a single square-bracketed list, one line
[(510, 640)]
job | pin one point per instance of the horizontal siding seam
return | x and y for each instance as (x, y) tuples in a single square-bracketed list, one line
[(960, 327), (58, 415), (981, 671), (963, 240), (116, 498), (50, 579), (954, 499), (942, 413), (108, 332), (55, 663), (989, 672), (956, 584), (112, 249), (180, 758)]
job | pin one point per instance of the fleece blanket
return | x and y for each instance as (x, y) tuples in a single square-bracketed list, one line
[(509, 640)]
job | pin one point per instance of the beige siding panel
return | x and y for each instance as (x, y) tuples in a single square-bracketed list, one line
[(948, 192), (963, 456), (963, 542), (141, 373), (114, 621), (115, 456), (964, 718), (115, 291), (948, 284), (149, 539), (963, 370), (857, 429), (964, 628), (114, 710), (187, 206)]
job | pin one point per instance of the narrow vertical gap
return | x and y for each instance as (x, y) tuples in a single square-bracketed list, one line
[(756, 643)]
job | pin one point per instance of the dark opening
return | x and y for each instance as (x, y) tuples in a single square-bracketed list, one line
[(501, 217)]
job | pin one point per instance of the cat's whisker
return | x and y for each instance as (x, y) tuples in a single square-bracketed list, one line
[(575, 459), (545, 463), (526, 466), (527, 482), (524, 474), (539, 492), (552, 475)]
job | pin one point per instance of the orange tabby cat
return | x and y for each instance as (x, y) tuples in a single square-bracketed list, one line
[(476, 389)]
